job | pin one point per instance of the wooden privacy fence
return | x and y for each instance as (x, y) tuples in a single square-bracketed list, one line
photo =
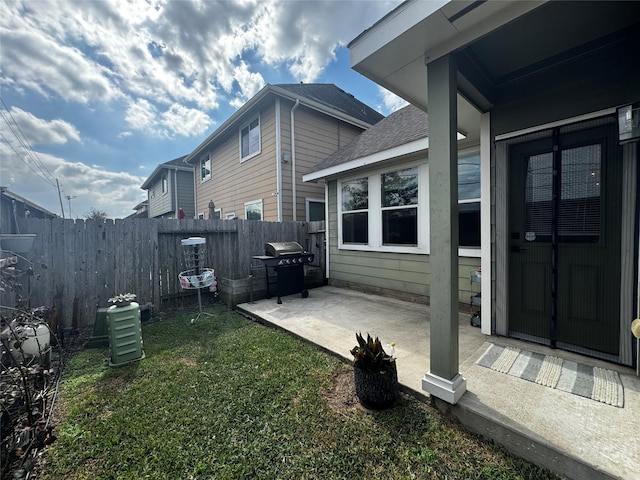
[(78, 265)]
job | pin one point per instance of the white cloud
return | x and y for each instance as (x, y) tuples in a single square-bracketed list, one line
[(172, 51), (176, 120), (390, 101), (36, 130), (92, 186)]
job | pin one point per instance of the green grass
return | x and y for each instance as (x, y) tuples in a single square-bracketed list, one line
[(229, 399)]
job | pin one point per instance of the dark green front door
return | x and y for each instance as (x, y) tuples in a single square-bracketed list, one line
[(564, 238)]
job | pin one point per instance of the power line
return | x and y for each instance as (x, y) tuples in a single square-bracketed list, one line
[(24, 142), (25, 162)]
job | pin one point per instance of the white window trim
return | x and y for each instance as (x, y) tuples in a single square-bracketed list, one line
[(253, 117), (375, 212), (208, 177), (375, 221), (219, 212), (164, 178), (200, 215), (254, 202), (230, 216), (309, 200)]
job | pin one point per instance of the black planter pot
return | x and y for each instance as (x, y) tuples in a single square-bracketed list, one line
[(376, 390)]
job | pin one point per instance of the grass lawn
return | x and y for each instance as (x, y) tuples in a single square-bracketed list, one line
[(227, 398)]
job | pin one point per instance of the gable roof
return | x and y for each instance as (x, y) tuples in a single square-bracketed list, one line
[(175, 164), (334, 97), (322, 97), (9, 195), (404, 131)]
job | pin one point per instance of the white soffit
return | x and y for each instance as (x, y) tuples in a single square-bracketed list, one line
[(394, 51)]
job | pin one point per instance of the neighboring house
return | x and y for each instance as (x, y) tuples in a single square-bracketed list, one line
[(251, 167), (14, 210), (169, 189), (378, 191), (141, 210), (549, 92)]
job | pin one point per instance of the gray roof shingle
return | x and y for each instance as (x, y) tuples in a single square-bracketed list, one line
[(401, 127), (332, 96)]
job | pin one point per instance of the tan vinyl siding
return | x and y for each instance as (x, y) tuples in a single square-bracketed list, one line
[(317, 136), (398, 274), (233, 183)]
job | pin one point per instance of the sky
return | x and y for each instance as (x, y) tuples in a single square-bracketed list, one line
[(95, 94)]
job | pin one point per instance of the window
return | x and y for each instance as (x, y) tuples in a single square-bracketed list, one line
[(250, 139), (355, 215), (253, 210), (201, 216), (399, 194), (165, 184), (230, 216), (205, 168), (388, 210), (315, 210), (469, 200), (217, 213)]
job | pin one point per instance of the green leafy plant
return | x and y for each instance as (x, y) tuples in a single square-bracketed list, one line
[(369, 355)]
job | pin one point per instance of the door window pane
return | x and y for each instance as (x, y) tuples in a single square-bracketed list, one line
[(539, 195), (579, 207)]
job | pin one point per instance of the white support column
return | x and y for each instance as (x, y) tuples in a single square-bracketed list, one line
[(443, 379)]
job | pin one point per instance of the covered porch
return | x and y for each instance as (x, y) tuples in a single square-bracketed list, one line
[(569, 434)]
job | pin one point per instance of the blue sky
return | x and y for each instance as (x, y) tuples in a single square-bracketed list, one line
[(95, 94)]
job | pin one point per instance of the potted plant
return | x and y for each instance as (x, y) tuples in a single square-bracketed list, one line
[(123, 300), (375, 374)]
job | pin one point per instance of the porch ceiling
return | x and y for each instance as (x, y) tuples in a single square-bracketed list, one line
[(505, 50)]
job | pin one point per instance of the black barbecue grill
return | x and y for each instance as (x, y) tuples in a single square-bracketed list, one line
[(287, 260)]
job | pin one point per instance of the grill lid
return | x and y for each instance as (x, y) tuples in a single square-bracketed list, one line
[(278, 249)]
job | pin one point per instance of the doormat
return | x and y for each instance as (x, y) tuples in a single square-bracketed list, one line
[(595, 383)]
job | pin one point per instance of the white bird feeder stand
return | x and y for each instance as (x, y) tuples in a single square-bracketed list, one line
[(196, 276)]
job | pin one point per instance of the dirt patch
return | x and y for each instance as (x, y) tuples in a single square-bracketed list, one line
[(341, 396)]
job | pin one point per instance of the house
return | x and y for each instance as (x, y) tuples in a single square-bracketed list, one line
[(141, 210), (378, 193), (251, 167), (549, 93), (169, 190), (14, 211)]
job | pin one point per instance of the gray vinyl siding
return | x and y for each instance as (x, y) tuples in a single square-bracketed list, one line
[(159, 203), (401, 275), (184, 183), (163, 205)]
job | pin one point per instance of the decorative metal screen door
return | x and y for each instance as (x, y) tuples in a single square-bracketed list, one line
[(564, 225)]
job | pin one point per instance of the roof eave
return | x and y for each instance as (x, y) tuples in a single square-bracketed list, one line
[(238, 114), (422, 144), (152, 178)]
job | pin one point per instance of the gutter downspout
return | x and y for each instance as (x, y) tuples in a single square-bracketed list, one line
[(175, 190), (293, 162), (195, 192), (278, 160)]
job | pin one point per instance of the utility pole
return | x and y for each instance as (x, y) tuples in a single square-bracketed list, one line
[(60, 197), (70, 197)]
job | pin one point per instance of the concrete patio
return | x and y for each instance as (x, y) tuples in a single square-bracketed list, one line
[(571, 435)]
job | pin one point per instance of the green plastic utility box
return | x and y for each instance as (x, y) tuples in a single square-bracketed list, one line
[(125, 334)]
